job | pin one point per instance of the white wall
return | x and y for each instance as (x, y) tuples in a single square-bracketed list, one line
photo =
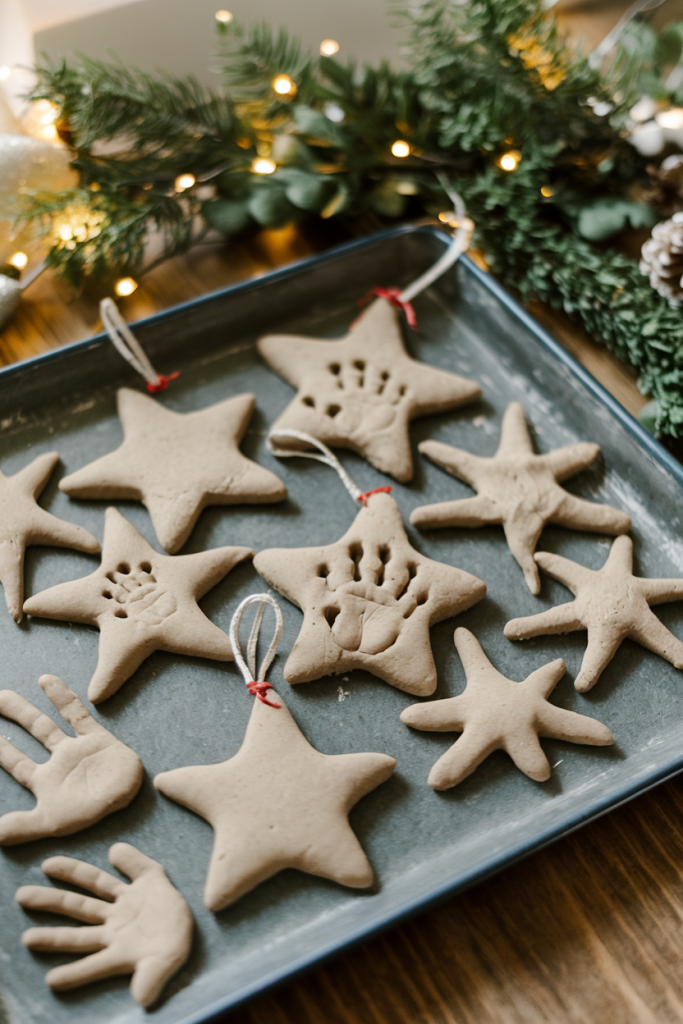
[(179, 35)]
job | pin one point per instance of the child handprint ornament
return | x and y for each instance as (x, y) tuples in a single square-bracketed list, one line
[(277, 803), (369, 599)]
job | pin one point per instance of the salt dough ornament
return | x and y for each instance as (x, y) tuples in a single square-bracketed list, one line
[(178, 463), (362, 391), (144, 929), (495, 713), (278, 803), (519, 490), (368, 600), (141, 602), (87, 777), (23, 522), (612, 604)]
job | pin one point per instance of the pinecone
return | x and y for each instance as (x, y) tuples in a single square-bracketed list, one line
[(662, 258)]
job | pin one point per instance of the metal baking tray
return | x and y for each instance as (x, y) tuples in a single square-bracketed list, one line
[(180, 711)]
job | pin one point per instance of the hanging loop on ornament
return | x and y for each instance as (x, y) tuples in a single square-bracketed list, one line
[(459, 245), (324, 455), (392, 295), (127, 345), (256, 680)]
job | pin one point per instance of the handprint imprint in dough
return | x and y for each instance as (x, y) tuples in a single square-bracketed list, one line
[(365, 399), (367, 612), (135, 593)]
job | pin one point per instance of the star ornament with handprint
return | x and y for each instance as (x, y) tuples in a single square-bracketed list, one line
[(362, 391), (88, 776), (144, 929), (369, 601)]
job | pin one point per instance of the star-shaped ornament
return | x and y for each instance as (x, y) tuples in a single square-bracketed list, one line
[(141, 602), (369, 601), (23, 523), (495, 713), (612, 604), (519, 490), (361, 391), (178, 463), (278, 803)]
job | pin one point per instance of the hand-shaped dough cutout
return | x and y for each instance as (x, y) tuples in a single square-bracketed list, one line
[(87, 777), (144, 929)]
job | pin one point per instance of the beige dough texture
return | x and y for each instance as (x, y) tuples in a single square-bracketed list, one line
[(178, 463), (495, 713), (368, 601), (144, 929), (23, 522), (141, 602), (278, 803), (611, 604), (87, 777), (362, 391), (519, 490)]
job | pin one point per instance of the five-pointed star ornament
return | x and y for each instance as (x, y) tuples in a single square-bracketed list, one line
[(23, 522), (368, 601), (278, 803), (495, 713), (520, 491), (361, 391), (612, 604), (141, 602), (178, 463)]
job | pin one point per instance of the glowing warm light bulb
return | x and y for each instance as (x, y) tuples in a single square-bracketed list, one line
[(65, 232), (125, 286), (262, 165), (329, 47), (5, 72), (449, 217), (509, 161), (19, 260), (184, 181), (546, 191), (400, 148), (283, 85), (224, 16)]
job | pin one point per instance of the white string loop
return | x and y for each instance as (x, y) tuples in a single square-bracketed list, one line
[(127, 344), (459, 245), (256, 680), (327, 457)]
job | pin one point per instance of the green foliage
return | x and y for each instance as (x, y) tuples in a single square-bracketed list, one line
[(486, 77)]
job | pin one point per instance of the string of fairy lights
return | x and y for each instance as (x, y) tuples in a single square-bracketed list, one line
[(41, 123)]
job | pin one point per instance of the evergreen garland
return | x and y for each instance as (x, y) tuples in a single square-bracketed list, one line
[(487, 78)]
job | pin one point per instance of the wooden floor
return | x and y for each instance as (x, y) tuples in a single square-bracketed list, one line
[(589, 931)]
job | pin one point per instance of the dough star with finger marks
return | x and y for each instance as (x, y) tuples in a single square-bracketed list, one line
[(23, 522), (360, 392), (611, 604), (87, 777), (178, 463), (369, 601), (144, 929), (495, 713), (141, 602), (278, 803), (519, 490)]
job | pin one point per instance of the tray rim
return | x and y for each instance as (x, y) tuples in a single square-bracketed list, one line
[(458, 881)]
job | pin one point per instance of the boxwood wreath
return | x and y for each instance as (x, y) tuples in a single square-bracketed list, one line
[(488, 80)]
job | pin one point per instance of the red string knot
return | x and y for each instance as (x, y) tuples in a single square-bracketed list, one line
[(363, 498), (259, 690), (162, 383), (392, 295)]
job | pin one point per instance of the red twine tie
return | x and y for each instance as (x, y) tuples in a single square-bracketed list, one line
[(368, 494), (258, 690), (162, 383), (392, 295)]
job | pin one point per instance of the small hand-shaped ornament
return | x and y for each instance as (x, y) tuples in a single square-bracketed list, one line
[(88, 776), (144, 929)]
